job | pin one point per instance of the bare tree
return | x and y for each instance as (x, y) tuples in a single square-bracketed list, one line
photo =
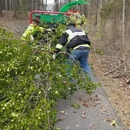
[(123, 21), (56, 8), (1, 8)]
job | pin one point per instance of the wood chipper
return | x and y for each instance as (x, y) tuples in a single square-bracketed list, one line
[(56, 17), (55, 20)]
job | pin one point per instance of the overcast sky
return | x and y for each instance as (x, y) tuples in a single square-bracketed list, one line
[(50, 1)]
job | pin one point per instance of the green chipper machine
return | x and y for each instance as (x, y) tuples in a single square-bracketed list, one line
[(56, 17)]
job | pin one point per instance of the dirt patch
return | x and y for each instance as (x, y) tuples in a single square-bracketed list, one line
[(15, 26), (116, 89)]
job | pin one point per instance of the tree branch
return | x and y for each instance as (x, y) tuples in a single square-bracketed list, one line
[(115, 68)]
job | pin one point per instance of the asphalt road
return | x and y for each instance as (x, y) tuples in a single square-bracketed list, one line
[(94, 113)]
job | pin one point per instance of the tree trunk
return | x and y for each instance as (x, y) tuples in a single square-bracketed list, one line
[(123, 21), (89, 12), (56, 5), (97, 13), (1, 8), (15, 7), (115, 17)]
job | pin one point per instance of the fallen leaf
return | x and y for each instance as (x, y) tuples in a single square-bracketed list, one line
[(128, 81), (85, 104), (62, 112), (75, 105), (61, 119), (108, 120), (128, 124), (125, 113), (113, 123), (83, 114), (103, 108)]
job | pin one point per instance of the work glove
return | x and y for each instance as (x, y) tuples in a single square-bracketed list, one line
[(54, 56), (49, 30), (31, 38), (53, 30)]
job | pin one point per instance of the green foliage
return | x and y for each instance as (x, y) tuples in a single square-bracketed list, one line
[(99, 51), (75, 105), (30, 83), (77, 18)]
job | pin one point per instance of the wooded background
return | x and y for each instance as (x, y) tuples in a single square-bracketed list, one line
[(99, 13)]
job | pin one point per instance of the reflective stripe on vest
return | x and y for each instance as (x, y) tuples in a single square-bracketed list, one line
[(73, 34), (28, 30), (85, 45), (30, 27)]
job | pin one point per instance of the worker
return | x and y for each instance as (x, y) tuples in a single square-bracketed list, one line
[(77, 45), (32, 32)]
